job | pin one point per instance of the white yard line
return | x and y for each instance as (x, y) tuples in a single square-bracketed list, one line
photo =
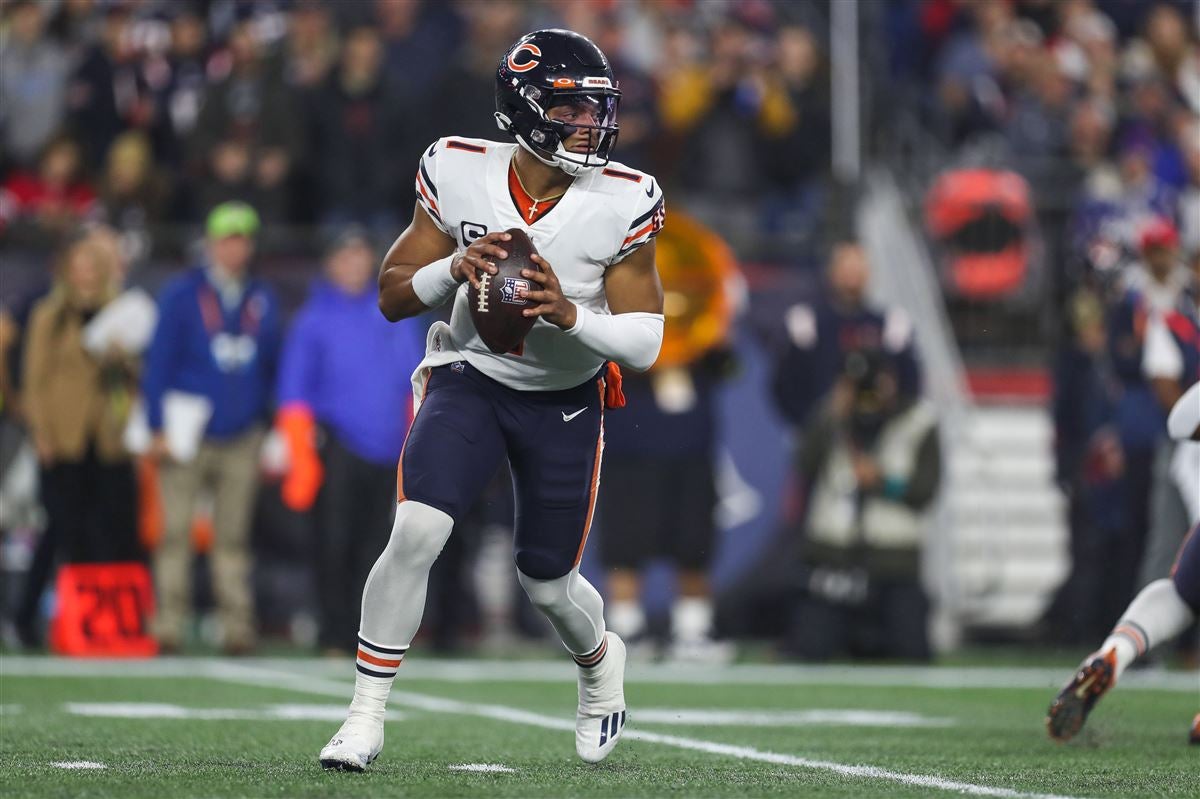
[(484, 768), (162, 710), (720, 717), (248, 675), (78, 764), (648, 674)]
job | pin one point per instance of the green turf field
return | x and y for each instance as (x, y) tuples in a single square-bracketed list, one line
[(249, 728)]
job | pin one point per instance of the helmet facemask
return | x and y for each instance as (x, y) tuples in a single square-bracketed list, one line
[(547, 136)]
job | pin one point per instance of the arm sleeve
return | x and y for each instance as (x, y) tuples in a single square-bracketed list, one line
[(156, 376), (426, 186), (630, 339)]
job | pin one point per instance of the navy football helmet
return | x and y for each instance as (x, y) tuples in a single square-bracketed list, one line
[(548, 68)]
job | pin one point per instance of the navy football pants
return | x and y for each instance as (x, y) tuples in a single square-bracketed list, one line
[(553, 440)]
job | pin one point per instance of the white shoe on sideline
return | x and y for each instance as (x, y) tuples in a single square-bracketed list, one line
[(600, 718), (355, 745)]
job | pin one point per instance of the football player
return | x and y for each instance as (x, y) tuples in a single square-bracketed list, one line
[(598, 302), (1162, 610)]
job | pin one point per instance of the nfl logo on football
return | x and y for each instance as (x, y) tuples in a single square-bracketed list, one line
[(513, 290)]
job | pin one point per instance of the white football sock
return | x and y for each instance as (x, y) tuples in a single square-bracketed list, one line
[(691, 618), (1155, 615), (626, 618), (370, 696), (573, 606), (394, 600)]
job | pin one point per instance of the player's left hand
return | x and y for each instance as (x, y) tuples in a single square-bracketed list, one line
[(551, 304)]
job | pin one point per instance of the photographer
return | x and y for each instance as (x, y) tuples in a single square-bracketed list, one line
[(872, 465)]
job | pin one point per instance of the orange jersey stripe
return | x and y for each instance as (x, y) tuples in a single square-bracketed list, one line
[(587, 525), (425, 194), (400, 465), (634, 236), (374, 661)]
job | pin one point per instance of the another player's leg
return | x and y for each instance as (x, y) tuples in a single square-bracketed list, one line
[(1161, 611), (452, 451), (555, 445)]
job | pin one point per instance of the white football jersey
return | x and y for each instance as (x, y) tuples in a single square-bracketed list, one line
[(606, 214)]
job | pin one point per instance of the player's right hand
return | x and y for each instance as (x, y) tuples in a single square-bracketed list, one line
[(478, 258)]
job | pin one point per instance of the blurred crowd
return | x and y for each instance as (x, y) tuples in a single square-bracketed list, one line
[(1092, 107), (174, 147), (145, 114), (1061, 128)]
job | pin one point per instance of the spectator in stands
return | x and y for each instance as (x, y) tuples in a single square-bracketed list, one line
[(76, 405), (723, 111), (1088, 51), (363, 139), (418, 37), (820, 335), (133, 195), (471, 77), (53, 199), (247, 139), (207, 387), (311, 47), (1173, 52), (108, 91), (872, 465), (639, 100), (1110, 215), (1189, 198), (179, 88), (968, 73), (33, 82), (344, 395), (1036, 127)]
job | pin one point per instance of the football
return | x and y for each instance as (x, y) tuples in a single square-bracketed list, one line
[(497, 305)]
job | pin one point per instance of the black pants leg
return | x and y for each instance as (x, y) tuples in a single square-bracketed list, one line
[(353, 523)]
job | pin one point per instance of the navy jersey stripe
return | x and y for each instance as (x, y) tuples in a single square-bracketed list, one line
[(383, 649), (428, 182), (461, 145), (616, 173), (371, 673), (637, 222)]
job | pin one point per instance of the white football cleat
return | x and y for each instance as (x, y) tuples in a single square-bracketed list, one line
[(600, 718), (355, 745)]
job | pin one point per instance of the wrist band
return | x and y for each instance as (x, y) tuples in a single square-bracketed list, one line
[(433, 284)]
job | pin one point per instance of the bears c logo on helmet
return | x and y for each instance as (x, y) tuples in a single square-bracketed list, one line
[(532, 49)]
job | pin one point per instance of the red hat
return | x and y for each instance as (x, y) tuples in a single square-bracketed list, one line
[(1159, 233)]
